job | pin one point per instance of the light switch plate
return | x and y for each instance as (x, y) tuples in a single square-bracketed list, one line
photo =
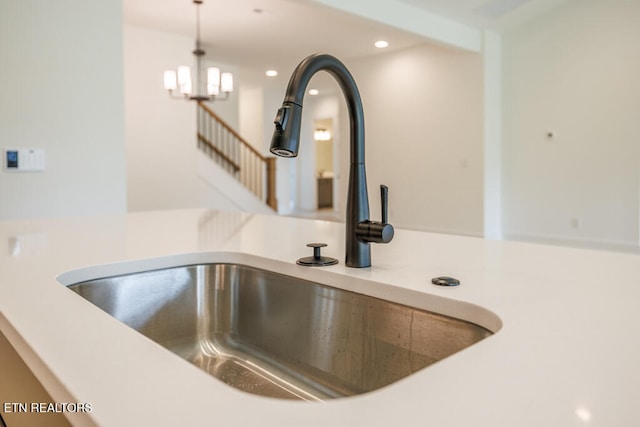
[(23, 159)]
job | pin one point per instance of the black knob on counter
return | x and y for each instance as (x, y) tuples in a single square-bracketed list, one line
[(316, 260)]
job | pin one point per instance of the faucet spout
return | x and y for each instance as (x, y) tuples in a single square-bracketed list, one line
[(360, 230)]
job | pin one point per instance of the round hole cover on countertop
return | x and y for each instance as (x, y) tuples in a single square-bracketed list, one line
[(445, 281)]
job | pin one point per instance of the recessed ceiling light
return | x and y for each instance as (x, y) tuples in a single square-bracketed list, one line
[(381, 44), (313, 91), (271, 73)]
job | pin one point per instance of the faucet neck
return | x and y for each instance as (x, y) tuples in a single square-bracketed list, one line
[(298, 86)]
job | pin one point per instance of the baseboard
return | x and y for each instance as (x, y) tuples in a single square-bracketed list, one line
[(577, 242)]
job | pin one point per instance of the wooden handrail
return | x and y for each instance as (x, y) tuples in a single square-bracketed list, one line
[(215, 149), (232, 131)]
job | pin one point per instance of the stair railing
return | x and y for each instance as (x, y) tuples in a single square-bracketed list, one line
[(235, 155)]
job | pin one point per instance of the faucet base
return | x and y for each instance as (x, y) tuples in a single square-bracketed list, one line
[(360, 258)]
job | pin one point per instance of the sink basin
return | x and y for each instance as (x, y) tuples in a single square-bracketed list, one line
[(275, 335)]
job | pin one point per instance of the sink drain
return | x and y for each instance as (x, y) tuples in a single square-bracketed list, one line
[(445, 281)]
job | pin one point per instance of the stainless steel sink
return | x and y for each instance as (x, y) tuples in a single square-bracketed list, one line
[(275, 335)]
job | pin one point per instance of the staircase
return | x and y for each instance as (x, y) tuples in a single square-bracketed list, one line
[(221, 143)]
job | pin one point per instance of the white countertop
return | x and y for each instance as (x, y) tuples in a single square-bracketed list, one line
[(566, 352)]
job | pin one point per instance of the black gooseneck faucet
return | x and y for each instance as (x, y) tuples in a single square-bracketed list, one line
[(360, 230)]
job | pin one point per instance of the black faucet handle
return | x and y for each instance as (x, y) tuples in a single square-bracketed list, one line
[(374, 231), (386, 229), (384, 199)]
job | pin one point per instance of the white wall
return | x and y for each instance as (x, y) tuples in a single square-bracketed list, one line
[(251, 117), (424, 120), (492, 62), (424, 137), (61, 91), (161, 132), (573, 72)]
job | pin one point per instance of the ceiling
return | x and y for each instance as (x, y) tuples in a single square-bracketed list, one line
[(265, 34), (262, 34), (476, 13), (499, 15)]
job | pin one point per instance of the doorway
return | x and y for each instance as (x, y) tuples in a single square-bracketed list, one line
[(324, 168)]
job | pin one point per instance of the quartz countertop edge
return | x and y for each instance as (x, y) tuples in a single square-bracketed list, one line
[(565, 348)]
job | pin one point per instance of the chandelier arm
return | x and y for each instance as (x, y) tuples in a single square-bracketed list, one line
[(173, 95)]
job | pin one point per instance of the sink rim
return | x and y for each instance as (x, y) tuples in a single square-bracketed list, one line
[(330, 276)]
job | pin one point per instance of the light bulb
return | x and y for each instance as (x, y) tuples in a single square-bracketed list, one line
[(213, 81), (184, 79), (170, 80), (226, 82)]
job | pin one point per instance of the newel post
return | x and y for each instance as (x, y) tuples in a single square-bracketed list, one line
[(271, 183)]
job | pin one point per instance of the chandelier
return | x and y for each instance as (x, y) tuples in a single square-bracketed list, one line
[(216, 86)]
